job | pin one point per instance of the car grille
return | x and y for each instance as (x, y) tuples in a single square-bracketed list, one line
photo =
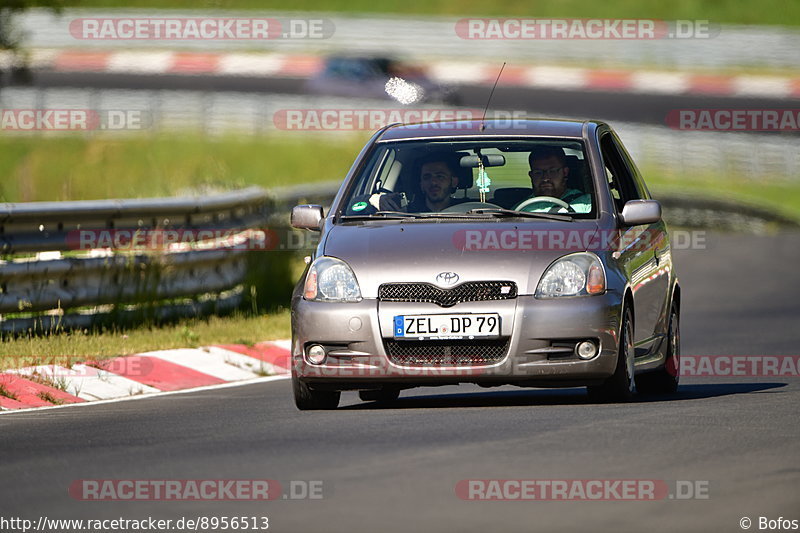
[(447, 352), (471, 291)]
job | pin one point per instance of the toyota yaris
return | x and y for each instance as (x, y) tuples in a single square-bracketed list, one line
[(499, 252)]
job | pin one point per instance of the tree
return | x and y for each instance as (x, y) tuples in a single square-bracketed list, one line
[(11, 37)]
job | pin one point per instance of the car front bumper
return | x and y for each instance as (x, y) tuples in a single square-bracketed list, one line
[(540, 337)]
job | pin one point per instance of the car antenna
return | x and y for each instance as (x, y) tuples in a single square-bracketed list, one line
[(485, 109)]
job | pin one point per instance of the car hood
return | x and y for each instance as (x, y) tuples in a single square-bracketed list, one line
[(417, 251)]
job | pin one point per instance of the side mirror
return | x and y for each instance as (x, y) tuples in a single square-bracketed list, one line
[(639, 212), (307, 217)]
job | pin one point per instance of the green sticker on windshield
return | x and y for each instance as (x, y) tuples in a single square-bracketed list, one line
[(359, 206)]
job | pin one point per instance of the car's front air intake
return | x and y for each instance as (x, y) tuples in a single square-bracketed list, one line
[(471, 291), (447, 352)]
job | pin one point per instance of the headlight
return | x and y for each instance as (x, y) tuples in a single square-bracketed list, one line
[(331, 280), (573, 275)]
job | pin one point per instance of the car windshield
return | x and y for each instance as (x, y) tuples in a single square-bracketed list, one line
[(534, 178)]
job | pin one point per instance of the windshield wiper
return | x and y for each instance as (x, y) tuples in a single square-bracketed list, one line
[(443, 214), (382, 215), (499, 211)]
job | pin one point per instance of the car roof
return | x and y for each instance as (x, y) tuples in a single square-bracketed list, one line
[(471, 128)]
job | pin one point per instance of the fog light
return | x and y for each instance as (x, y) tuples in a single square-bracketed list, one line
[(586, 350), (315, 354)]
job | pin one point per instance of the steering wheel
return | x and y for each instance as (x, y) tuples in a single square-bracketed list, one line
[(466, 206), (544, 200)]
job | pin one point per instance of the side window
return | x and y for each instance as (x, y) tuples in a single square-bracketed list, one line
[(390, 170), (620, 180), (644, 193)]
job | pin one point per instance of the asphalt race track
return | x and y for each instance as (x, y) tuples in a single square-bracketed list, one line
[(604, 105), (395, 469)]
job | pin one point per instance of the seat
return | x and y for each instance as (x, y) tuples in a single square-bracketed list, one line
[(578, 175), (509, 197)]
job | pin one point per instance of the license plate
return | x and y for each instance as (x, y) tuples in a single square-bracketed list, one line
[(463, 326)]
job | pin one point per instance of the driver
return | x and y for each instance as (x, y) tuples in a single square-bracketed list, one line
[(548, 175)]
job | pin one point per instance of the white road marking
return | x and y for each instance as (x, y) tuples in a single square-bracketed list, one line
[(86, 382), (251, 64), (558, 77), (140, 62), (762, 86), (147, 396), (211, 363), (245, 362), (660, 82), (451, 72)]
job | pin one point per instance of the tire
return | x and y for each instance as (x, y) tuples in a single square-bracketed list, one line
[(620, 387), (308, 399), (665, 379), (384, 395)]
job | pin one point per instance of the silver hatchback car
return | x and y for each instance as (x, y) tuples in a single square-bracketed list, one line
[(500, 252)]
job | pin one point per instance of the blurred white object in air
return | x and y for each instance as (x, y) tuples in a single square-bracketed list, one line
[(403, 91)]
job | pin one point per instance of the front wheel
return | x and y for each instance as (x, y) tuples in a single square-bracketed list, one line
[(665, 379), (621, 386), (308, 399)]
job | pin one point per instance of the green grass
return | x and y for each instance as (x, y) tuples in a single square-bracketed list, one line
[(781, 196), (80, 345), (783, 12), (86, 168)]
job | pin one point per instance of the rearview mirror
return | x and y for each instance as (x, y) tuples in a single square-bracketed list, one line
[(639, 212), (489, 160), (307, 217)]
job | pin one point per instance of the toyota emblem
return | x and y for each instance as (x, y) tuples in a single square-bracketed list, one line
[(447, 278)]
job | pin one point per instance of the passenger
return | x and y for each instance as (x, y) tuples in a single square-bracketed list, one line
[(438, 180)]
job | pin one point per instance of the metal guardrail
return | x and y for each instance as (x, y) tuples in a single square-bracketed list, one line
[(47, 226), (74, 282), (730, 46), (722, 214), (36, 277)]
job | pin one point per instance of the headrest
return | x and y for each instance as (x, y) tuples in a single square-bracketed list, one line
[(576, 179)]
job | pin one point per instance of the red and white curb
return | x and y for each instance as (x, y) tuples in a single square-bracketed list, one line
[(304, 66), (141, 374)]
